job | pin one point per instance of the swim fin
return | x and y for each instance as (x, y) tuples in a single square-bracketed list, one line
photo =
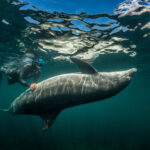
[(4, 110)]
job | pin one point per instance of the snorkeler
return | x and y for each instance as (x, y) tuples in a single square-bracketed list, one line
[(27, 67)]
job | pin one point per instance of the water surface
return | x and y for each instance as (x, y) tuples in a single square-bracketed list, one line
[(113, 36)]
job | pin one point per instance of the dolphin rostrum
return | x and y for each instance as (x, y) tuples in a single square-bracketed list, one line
[(59, 92)]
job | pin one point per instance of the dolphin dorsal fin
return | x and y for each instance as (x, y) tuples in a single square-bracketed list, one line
[(84, 66), (49, 119)]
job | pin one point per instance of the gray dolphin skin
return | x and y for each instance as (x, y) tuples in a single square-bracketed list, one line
[(59, 92)]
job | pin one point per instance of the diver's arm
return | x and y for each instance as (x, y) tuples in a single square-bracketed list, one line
[(22, 81), (36, 76)]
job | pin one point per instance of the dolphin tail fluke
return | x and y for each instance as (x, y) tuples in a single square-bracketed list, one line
[(4, 110), (49, 119)]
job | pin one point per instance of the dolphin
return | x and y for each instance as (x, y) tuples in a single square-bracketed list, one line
[(62, 91)]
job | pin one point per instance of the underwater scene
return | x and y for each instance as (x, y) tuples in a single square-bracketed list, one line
[(74, 75)]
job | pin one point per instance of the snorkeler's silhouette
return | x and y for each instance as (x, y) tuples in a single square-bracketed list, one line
[(28, 66)]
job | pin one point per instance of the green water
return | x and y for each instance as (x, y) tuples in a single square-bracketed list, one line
[(110, 42), (118, 123)]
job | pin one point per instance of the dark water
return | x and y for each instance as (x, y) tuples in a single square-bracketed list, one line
[(110, 42)]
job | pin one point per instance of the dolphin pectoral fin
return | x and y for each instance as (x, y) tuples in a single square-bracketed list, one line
[(49, 119), (84, 66)]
